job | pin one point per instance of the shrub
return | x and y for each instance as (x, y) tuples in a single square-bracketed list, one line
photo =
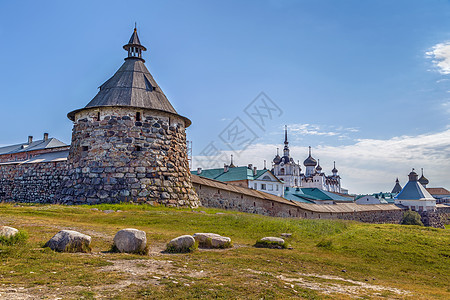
[(411, 218), (18, 238)]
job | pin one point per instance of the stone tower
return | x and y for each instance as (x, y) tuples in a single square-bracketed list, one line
[(129, 143)]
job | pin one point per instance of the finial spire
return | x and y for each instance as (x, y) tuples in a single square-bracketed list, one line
[(278, 151), (265, 165), (232, 164), (309, 150), (285, 134), (334, 164), (422, 171)]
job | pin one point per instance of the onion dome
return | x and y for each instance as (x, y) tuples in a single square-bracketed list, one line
[(310, 162), (423, 180), (285, 159), (277, 158), (318, 168), (334, 168)]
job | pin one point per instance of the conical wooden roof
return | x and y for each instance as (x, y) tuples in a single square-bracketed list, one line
[(132, 85)]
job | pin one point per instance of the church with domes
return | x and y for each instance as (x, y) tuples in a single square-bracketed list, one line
[(290, 172)]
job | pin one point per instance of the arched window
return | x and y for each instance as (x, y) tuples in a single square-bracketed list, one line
[(282, 171), (138, 116)]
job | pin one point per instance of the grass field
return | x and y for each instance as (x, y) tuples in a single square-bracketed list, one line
[(329, 259)]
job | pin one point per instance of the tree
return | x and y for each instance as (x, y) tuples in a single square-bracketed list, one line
[(411, 218)]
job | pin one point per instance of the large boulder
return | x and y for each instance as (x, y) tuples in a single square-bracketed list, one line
[(212, 240), (181, 244), (271, 242), (130, 240), (70, 241), (6, 231)]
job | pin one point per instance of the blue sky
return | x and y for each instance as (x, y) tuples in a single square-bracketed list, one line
[(365, 83)]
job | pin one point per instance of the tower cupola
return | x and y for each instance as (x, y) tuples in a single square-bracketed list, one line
[(134, 47)]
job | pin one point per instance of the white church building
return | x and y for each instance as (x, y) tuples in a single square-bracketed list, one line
[(288, 171)]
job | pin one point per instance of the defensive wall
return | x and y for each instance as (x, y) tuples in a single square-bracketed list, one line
[(218, 194), (42, 182)]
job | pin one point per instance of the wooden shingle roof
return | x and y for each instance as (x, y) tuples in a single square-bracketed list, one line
[(132, 85)]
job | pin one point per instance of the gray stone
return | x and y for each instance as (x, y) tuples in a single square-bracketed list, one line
[(273, 240), (6, 231), (108, 211), (182, 243), (69, 241), (212, 240), (130, 240)]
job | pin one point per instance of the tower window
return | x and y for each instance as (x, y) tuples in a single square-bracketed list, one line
[(85, 148), (138, 148), (148, 85), (98, 116), (138, 116)]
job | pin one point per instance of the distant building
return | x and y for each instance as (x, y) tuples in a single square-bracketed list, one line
[(249, 177), (287, 170), (415, 196), (441, 194), (370, 199), (397, 187), (314, 195), (25, 151)]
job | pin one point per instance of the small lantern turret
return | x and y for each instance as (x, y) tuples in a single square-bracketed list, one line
[(134, 47)]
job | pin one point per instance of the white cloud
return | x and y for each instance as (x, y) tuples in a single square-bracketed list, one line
[(440, 55), (313, 129), (368, 165)]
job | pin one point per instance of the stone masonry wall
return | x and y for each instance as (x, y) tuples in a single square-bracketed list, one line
[(119, 158), (37, 183), (224, 199)]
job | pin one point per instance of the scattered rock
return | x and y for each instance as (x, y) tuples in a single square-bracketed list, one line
[(344, 271), (94, 209), (271, 242), (286, 235), (202, 212), (108, 211), (119, 210), (181, 244), (69, 241), (212, 240), (130, 240), (219, 213), (6, 231)]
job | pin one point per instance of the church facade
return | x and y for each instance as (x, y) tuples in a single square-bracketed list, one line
[(290, 172)]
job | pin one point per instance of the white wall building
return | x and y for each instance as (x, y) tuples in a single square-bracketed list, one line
[(415, 196)]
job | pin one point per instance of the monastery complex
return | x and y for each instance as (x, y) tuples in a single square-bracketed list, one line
[(129, 145)]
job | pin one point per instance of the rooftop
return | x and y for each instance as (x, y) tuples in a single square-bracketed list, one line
[(233, 174), (132, 85), (34, 145)]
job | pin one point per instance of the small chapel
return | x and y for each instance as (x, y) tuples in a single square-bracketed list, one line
[(290, 172)]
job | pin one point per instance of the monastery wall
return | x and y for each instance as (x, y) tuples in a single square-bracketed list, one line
[(36, 183), (219, 195)]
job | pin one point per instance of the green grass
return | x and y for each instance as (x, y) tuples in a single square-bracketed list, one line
[(19, 238), (412, 258)]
